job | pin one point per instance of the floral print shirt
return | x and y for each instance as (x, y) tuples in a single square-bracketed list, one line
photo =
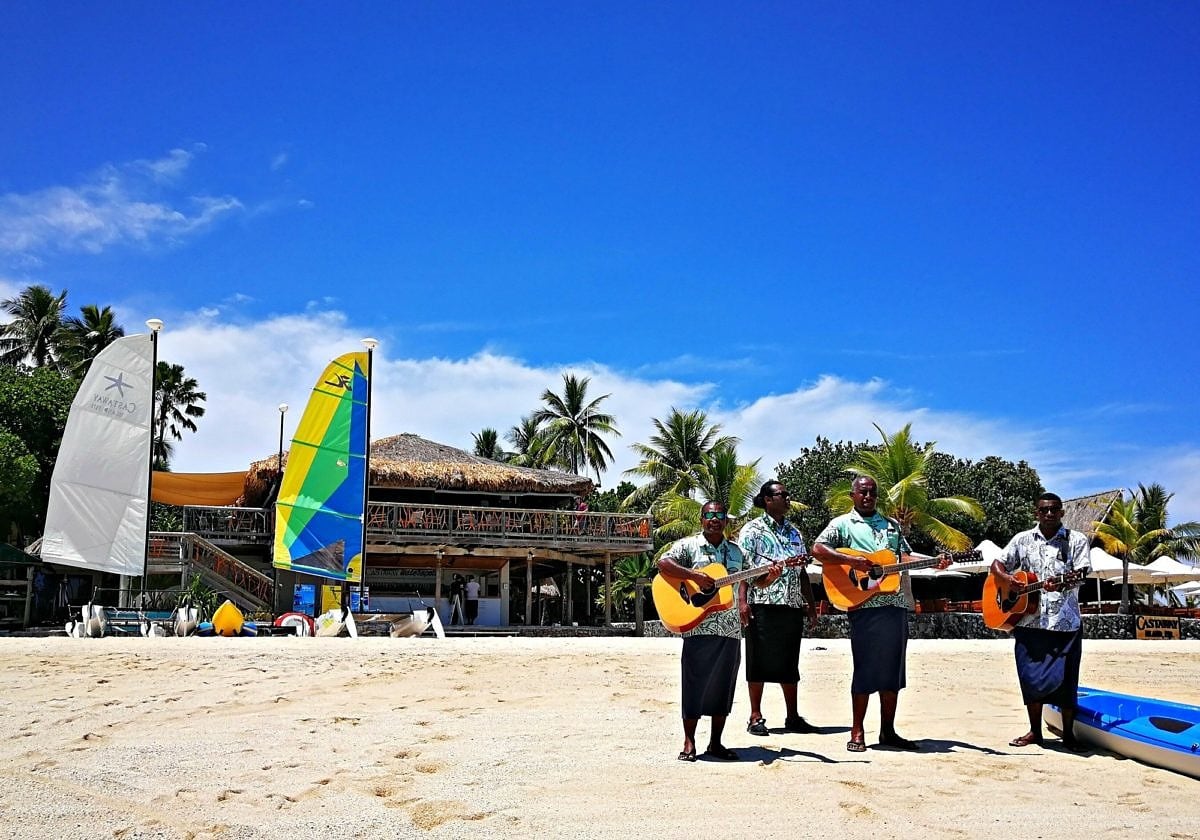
[(696, 552), (1030, 551), (852, 530), (763, 541)]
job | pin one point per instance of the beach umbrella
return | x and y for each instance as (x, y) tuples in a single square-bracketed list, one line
[(990, 551), (1170, 570), (1138, 575), (1104, 564)]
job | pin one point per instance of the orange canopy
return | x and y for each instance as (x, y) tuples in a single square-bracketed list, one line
[(171, 488)]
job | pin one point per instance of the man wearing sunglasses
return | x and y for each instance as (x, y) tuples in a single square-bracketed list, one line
[(773, 607), (712, 650), (1048, 641)]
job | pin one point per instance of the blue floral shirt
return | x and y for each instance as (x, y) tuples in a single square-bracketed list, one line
[(1031, 552), (763, 541), (696, 552)]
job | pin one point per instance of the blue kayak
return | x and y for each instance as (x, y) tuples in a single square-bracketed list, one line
[(1156, 732)]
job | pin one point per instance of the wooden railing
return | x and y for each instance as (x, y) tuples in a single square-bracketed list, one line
[(410, 522), (220, 571), (228, 524)]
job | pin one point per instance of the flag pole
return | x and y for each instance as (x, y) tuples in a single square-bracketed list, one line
[(370, 344), (155, 326)]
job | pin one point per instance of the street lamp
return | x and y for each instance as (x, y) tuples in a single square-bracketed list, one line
[(283, 407)]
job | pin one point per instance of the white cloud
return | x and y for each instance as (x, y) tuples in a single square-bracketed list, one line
[(117, 205), (248, 370)]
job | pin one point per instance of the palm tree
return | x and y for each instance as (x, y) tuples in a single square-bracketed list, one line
[(719, 478), (574, 426), (1135, 529), (35, 330), (626, 572), (529, 443), (487, 444), (673, 457), (898, 468), (177, 402), (82, 339)]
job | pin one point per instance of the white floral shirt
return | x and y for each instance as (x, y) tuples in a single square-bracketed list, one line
[(1031, 552)]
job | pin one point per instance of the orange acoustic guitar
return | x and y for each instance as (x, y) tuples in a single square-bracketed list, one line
[(847, 587), (681, 604), (1004, 605)]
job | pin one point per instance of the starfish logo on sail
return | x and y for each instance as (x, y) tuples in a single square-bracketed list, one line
[(119, 383)]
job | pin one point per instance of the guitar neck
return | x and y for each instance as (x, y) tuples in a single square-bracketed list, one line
[(922, 563), (751, 573), (1069, 579)]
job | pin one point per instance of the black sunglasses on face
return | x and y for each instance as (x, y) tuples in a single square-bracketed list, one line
[(1052, 509), (782, 493)]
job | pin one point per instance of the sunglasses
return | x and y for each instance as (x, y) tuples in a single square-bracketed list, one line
[(782, 493), (1051, 509), (714, 514)]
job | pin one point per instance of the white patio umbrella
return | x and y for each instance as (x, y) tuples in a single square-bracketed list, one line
[(990, 551), (1103, 564), (1170, 570)]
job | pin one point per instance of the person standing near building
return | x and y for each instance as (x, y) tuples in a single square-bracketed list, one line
[(773, 607), (712, 650), (879, 625), (1049, 641), (472, 590)]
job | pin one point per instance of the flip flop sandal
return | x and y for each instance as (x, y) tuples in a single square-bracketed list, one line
[(856, 746), (1025, 741), (687, 755), (758, 727)]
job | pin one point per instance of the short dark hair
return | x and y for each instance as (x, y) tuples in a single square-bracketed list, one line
[(714, 503), (863, 477), (759, 499), (1049, 497)]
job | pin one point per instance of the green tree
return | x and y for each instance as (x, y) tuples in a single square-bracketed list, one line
[(34, 405), (1136, 530), (487, 444), (177, 401), (82, 338), (625, 574), (610, 500), (898, 467), (33, 334), (1005, 490), (575, 427), (530, 447), (809, 477), (720, 478), (673, 457)]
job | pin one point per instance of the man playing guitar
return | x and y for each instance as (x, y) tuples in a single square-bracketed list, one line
[(1049, 641), (712, 650)]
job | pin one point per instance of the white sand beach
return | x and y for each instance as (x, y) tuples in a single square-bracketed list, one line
[(308, 738)]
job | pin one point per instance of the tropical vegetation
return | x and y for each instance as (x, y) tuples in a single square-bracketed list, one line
[(1135, 529), (899, 468), (574, 427), (177, 405), (673, 459)]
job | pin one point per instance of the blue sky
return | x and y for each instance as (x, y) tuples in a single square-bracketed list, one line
[(803, 218)]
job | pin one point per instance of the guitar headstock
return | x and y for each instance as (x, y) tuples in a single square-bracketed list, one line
[(965, 556)]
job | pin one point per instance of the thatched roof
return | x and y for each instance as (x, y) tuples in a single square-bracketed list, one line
[(411, 461), (1079, 514)]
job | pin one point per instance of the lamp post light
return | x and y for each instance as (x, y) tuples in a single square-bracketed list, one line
[(283, 407)]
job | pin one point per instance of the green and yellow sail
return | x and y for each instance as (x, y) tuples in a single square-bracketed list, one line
[(319, 514)]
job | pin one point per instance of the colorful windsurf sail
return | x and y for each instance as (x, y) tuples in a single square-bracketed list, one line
[(96, 518), (319, 514)]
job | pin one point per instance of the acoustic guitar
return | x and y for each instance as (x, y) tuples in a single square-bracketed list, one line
[(847, 587), (682, 604), (1004, 606)]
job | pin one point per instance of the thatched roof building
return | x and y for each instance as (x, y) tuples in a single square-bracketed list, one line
[(1079, 514), (411, 461)]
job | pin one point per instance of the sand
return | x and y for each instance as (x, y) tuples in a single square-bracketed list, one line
[(300, 738)]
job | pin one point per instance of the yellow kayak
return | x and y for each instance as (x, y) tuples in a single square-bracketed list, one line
[(228, 620)]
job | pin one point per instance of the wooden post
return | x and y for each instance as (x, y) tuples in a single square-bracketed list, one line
[(569, 604), (607, 589), (639, 609), (529, 589)]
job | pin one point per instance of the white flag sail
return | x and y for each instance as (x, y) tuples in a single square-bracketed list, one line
[(98, 493)]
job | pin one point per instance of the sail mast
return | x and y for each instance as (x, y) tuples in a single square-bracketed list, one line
[(155, 326), (370, 344)]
